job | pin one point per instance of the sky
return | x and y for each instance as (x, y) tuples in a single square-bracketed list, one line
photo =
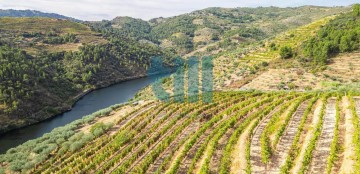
[(147, 9)]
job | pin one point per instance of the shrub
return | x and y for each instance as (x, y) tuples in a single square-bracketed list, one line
[(76, 146), (286, 52), (356, 10), (2, 170)]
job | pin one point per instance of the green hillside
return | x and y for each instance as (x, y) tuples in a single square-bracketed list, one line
[(33, 13), (286, 93), (54, 61), (239, 131), (229, 26)]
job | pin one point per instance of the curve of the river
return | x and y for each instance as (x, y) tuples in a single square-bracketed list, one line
[(90, 103)]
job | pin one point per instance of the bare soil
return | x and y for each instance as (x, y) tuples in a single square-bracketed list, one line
[(349, 149), (323, 146), (306, 137)]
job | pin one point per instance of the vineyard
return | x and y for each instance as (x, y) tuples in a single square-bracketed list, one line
[(239, 132)]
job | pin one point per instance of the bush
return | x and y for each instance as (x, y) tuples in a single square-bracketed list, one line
[(273, 47), (286, 52), (17, 165), (76, 146), (99, 128), (356, 10)]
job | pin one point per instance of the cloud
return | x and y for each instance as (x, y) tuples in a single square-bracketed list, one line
[(146, 9)]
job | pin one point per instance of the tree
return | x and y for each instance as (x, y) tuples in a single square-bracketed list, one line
[(286, 52), (273, 47), (356, 9)]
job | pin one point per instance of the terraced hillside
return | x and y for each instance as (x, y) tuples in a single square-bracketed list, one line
[(234, 68), (251, 67), (239, 132)]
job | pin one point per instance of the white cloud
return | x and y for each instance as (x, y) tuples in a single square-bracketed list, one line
[(146, 9)]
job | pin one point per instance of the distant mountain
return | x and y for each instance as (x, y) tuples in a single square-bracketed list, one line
[(228, 27), (33, 13)]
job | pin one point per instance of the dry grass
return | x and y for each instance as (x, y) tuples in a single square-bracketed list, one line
[(348, 157), (114, 117), (21, 25)]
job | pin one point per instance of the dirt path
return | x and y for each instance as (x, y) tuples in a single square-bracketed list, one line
[(239, 164), (219, 151), (185, 164), (286, 140), (187, 161), (159, 141), (307, 137), (146, 128), (185, 134), (348, 157), (153, 135), (106, 137), (255, 150), (323, 146)]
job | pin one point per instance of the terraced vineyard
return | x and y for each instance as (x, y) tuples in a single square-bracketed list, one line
[(240, 132), (238, 65)]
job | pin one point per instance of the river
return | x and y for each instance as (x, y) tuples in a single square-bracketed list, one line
[(90, 103)]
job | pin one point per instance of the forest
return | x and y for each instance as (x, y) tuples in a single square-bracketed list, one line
[(339, 36), (53, 78)]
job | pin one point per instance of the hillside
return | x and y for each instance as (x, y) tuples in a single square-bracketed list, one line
[(33, 13), (228, 27), (286, 93), (241, 68), (60, 60), (239, 131), (325, 61), (333, 43), (47, 64)]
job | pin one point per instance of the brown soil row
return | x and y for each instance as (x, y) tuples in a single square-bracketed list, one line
[(322, 150), (286, 140)]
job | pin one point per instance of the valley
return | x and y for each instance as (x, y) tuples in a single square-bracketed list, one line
[(285, 92)]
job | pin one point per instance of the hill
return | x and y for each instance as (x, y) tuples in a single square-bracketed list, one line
[(278, 130), (327, 60), (226, 26), (322, 56), (239, 131), (33, 13), (47, 64), (53, 60)]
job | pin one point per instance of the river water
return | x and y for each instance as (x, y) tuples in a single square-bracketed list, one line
[(90, 103)]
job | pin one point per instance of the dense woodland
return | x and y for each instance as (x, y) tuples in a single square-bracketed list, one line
[(54, 78), (339, 36)]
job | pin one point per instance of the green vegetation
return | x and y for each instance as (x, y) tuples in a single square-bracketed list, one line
[(338, 36), (160, 137), (32, 13), (312, 144), (335, 145), (51, 65), (55, 79), (228, 28), (286, 52), (356, 10), (295, 146), (62, 140)]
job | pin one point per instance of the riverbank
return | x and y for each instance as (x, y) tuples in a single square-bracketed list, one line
[(44, 114), (93, 101)]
